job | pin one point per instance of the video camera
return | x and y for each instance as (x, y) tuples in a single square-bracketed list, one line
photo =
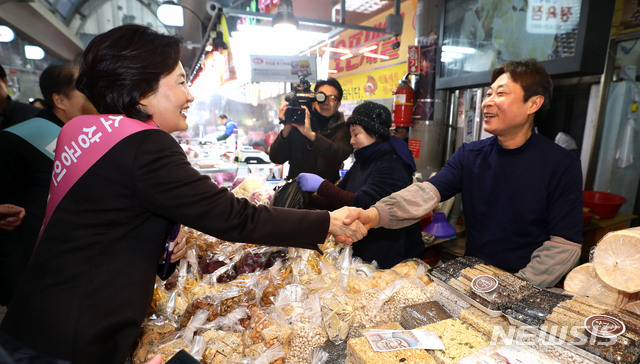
[(299, 96)]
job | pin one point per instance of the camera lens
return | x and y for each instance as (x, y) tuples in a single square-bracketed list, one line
[(321, 97)]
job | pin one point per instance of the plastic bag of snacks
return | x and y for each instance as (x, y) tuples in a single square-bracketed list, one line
[(364, 279), (413, 268), (269, 283), (337, 313), (305, 265), (402, 292), (266, 327), (216, 305), (244, 187), (232, 322), (305, 335), (222, 346), (302, 311), (318, 356), (183, 339), (154, 331), (291, 299), (258, 354)]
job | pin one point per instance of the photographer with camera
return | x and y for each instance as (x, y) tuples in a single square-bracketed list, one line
[(315, 138)]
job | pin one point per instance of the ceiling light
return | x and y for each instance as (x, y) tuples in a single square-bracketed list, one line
[(455, 49), (33, 52), (346, 56), (364, 6), (6, 34), (446, 57), (368, 48), (374, 55), (170, 14), (284, 18)]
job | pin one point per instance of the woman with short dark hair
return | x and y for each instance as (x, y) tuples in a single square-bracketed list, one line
[(120, 185)]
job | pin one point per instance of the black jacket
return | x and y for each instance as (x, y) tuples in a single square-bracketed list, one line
[(380, 169), (16, 112), (90, 281), (24, 181), (323, 157)]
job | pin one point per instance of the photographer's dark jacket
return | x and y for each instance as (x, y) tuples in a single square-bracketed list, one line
[(324, 156), (380, 169)]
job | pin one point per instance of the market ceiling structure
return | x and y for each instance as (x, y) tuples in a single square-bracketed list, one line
[(63, 27)]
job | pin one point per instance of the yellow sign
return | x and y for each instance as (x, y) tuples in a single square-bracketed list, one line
[(374, 84), (382, 44), (626, 17)]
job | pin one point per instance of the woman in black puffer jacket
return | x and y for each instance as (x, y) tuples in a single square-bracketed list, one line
[(383, 165)]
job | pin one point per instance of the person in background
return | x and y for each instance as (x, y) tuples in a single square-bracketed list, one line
[(321, 144), (12, 111), (401, 132), (522, 193), (383, 165), (26, 162), (90, 280), (37, 102), (10, 216), (229, 127)]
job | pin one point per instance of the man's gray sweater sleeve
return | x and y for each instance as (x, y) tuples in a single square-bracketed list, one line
[(407, 206)]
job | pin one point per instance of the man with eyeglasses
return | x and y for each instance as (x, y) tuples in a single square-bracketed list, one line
[(322, 143)]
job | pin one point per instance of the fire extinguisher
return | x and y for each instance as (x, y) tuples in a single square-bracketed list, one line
[(403, 102)]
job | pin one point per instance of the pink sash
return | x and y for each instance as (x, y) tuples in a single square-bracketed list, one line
[(82, 142)]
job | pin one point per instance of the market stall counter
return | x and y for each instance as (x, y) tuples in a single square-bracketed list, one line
[(244, 303)]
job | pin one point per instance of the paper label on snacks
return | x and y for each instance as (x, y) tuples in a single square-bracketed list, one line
[(604, 326), (390, 340), (484, 283)]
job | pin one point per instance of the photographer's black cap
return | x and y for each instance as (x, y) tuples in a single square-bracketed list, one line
[(373, 117)]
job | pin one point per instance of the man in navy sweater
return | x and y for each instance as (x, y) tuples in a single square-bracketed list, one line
[(522, 193)]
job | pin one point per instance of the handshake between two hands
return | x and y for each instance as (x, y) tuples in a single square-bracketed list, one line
[(350, 224)]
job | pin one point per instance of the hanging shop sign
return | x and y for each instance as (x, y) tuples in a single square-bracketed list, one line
[(626, 17), (373, 84), (552, 17), (282, 68), (413, 60), (383, 49)]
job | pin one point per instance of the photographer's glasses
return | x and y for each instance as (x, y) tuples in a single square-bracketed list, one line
[(332, 98), (321, 97)]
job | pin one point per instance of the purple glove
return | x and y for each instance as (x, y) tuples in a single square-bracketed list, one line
[(309, 182)]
